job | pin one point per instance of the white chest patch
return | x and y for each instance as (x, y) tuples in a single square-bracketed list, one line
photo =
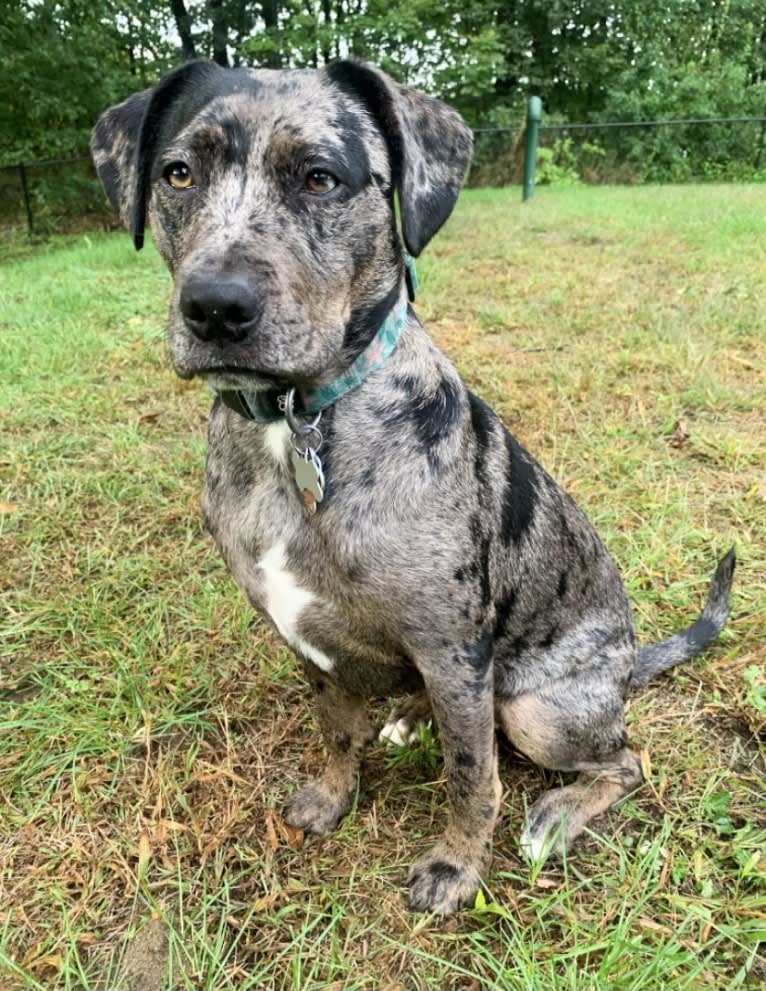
[(276, 436), (285, 600)]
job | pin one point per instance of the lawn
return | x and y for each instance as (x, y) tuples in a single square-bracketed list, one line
[(151, 726)]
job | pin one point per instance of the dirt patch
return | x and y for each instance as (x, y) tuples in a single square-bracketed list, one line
[(145, 965)]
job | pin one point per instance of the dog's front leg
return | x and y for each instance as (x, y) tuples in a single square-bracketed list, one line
[(449, 875), (346, 730)]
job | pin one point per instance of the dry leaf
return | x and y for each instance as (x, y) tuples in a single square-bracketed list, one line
[(293, 837), (680, 434), (172, 825), (144, 853), (646, 765), (265, 903), (55, 961), (88, 939), (8, 507), (546, 882), (272, 840)]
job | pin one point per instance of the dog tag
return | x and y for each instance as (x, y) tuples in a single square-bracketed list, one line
[(309, 477)]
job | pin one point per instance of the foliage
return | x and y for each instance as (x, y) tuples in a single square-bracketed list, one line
[(564, 161), (65, 60), (685, 92), (62, 62)]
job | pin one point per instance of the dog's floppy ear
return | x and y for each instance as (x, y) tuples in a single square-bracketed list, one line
[(429, 145), (125, 138)]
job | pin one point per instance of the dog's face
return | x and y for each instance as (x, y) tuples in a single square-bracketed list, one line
[(270, 196)]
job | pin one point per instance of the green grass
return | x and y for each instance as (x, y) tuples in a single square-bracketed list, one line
[(151, 727)]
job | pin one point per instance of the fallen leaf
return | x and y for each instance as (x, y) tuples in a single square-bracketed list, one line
[(293, 837), (88, 939), (646, 765), (266, 902), (272, 840), (144, 853), (165, 826), (8, 507), (680, 434), (546, 882), (55, 961)]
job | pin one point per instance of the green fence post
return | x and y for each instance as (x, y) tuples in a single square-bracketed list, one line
[(534, 115)]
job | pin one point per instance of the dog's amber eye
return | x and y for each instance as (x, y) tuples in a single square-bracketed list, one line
[(179, 175), (319, 181)]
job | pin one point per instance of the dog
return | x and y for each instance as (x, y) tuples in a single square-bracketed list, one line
[(377, 513)]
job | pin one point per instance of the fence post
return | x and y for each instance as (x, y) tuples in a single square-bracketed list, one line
[(25, 194), (534, 116)]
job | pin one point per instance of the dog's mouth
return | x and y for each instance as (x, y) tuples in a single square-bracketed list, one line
[(225, 379), (250, 381)]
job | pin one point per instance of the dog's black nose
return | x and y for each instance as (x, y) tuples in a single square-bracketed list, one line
[(221, 308)]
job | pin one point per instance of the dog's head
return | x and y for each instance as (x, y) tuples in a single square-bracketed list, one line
[(271, 198)]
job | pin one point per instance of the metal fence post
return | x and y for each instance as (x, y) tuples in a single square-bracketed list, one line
[(534, 116), (25, 194)]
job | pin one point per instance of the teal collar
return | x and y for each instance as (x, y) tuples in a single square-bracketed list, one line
[(267, 406)]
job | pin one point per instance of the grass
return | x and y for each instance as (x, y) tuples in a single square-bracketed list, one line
[(150, 725)]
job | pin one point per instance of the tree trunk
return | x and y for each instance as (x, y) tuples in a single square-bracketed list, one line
[(183, 25), (326, 42), (310, 8), (220, 32), (270, 14), (340, 16), (241, 27)]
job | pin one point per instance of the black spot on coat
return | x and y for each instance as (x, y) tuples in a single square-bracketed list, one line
[(520, 495)]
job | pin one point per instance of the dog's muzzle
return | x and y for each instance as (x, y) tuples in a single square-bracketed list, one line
[(220, 309)]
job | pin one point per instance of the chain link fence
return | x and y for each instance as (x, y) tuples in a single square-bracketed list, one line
[(724, 149), (55, 196), (64, 195)]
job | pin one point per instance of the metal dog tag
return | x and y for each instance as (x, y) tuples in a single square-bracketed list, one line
[(309, 477)]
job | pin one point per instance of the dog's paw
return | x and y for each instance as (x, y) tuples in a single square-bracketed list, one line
[(316, 809), (545, 832), (406, 719), (440, 883), (401, 732)]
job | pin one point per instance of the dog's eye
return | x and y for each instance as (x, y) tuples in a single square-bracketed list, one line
[(179, 175), (319, 181)]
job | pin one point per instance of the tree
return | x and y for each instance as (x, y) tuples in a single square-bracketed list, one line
[(587, 59), (62, 62)]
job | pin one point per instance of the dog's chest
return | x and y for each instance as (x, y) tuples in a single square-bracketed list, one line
[(287, 602), (257, 517)]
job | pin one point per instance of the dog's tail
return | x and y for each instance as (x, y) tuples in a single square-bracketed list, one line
[(658, 657)]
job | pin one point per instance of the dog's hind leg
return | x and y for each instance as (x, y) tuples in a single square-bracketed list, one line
[(571, 728), (346, 731)]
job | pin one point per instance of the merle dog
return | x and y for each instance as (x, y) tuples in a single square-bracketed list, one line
[(397, 536)]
